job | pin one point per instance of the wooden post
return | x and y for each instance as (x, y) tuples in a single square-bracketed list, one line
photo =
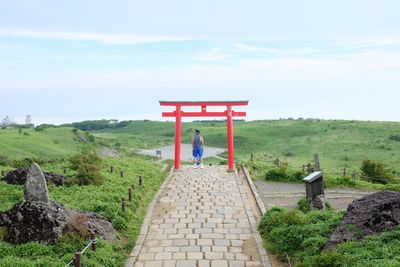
[(94, 243), (111, 169), (252, 157), (65, 170), (123, 204), (317, 165), (77, 260), (140, 181), (353, 175), (130, 194), (122, 174), (133, 186), (344, 172)]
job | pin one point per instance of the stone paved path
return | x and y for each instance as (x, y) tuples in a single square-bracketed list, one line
[(202, 218)]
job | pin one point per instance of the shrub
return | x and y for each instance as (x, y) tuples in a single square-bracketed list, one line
[(280, 216), (297, 234), (282, 174), (375, 171), (395, 137), (87, 164), (326, 259), (288, 154), (304, 205)]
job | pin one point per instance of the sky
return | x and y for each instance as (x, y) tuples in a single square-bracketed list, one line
[(63, 61)]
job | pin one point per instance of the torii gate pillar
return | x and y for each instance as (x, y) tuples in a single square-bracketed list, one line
[(228, 113)]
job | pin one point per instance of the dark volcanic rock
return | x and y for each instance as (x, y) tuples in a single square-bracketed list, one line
[(47, 222), (368, 215), (18, 176)]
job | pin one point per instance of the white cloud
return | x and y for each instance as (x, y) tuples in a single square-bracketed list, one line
[(361, 70), (105, 38), (214, 54), (252, 48)]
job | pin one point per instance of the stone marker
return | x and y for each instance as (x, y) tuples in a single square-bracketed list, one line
[(315, 189), (35, 186), (314, 184)]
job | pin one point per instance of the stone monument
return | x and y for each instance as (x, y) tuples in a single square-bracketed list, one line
[(35, 186)]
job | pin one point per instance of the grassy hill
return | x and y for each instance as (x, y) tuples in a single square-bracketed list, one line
[(49, 143), (340, 144)]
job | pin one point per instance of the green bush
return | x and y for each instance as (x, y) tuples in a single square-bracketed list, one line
[(326, 259), (87, 165), (297, 234), (304, 205), (283, 175), (280, 216), (375, 171), (395, 137)]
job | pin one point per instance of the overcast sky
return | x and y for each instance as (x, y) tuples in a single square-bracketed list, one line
[(73, 60)]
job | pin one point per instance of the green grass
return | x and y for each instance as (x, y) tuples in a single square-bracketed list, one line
[(104, 199), (301, 237), (340, 144), (49, 144)]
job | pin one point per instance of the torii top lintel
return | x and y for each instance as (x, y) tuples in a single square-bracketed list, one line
[(203, 105)]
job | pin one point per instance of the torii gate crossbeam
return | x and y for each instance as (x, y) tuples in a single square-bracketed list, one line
[(229, 113)]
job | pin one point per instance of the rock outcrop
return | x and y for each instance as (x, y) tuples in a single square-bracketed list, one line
[(39, 220), (368, 215), (47, 222), (18, 176)]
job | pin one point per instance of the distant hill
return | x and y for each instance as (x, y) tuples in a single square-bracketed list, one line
[(340, 144)]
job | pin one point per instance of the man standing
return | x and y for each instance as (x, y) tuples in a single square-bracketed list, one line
[(198, 146)]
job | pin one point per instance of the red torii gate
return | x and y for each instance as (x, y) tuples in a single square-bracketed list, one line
[(229, 113)]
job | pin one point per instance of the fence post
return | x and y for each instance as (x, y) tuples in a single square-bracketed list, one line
[(122, 174), (77, 260), (123, 204), (94, 243), (353, 175), (140, 181), (317, 165), (65, 170), (130, 194), (111, 169)]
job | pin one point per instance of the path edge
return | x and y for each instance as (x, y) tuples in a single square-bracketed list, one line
[(253, 188), (146, 222), (252, 219)]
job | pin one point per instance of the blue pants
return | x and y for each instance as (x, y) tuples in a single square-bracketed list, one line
[(197, 152)]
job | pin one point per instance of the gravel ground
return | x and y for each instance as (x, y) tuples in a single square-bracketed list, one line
[(288, 194), (168, 152)]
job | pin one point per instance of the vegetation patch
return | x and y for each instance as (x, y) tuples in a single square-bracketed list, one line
[(104, 199)]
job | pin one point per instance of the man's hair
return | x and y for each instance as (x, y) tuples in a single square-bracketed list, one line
[(197, 131)]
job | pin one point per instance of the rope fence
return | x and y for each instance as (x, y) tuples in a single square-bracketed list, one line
[(77, 260)]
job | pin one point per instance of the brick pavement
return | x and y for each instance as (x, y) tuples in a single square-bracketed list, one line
[(202, 218)]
